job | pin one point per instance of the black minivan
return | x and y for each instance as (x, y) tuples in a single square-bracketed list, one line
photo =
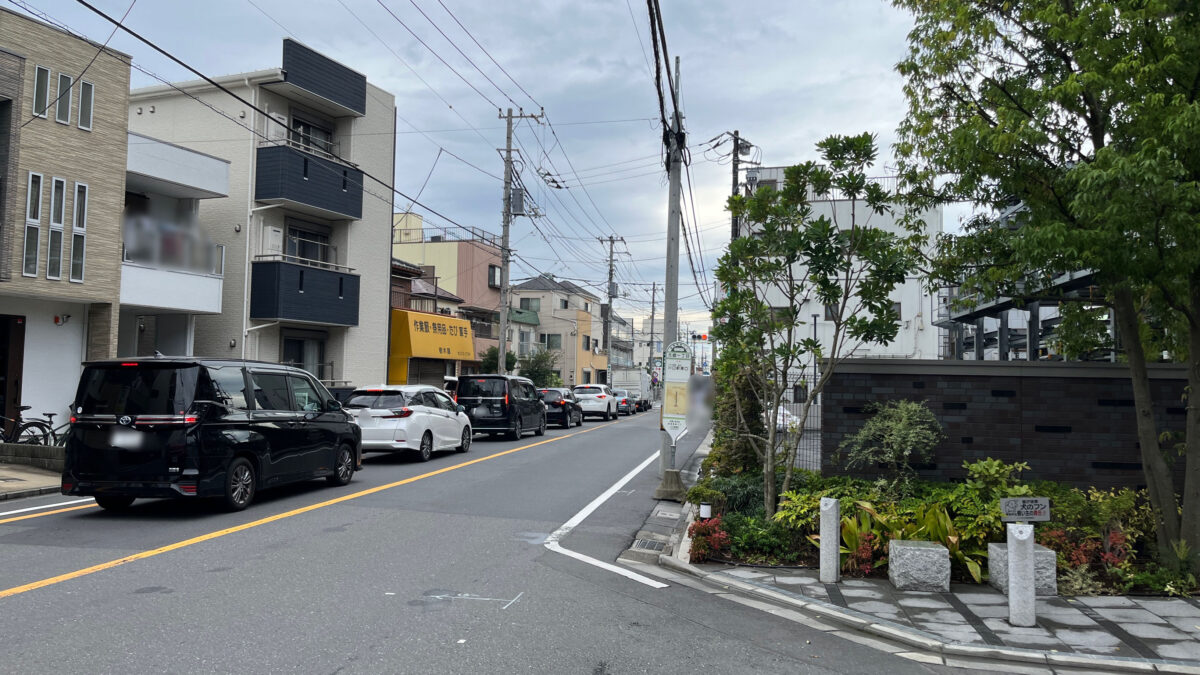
[(190, 427), (502, 404)]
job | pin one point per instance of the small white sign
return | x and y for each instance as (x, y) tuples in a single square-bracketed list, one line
[(1025, 509), (677, 368)]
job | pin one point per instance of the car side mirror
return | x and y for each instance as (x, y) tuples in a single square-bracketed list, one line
[(461, 408), (333, 405), (541, 396)]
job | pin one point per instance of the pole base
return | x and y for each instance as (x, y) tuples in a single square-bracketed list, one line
[(671, 487)]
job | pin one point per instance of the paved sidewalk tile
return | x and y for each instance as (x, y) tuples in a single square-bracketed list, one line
[(18, 479)]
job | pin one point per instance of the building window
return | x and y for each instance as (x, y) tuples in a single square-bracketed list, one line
[(896, 311), (830, 312), (58, 208), (87, 95), (532, 304), (564, 304), (312, 136), (587, 342), (587, 306), (79, 232), (33, 226), (587, 376), (41, 91), (494, 277), (551, 340), (62, 104)]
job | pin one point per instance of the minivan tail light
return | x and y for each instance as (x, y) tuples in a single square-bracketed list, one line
[(399, 413), (67, 486), (506, 399), (186, 488)]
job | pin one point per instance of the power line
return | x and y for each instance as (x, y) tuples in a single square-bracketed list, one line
[(485, 51), (460, 51)]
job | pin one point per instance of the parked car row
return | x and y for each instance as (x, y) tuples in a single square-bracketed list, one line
[(190, 427)]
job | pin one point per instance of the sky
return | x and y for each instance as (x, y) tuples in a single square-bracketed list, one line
[(785, 73)]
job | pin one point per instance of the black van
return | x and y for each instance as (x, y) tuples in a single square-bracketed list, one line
[(502, 404), (187, 427)]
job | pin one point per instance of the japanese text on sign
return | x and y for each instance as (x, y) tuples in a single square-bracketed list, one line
[(1026, 509)]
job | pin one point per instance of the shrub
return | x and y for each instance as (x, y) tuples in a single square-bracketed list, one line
[(707, 539), (757, 539), (900, 434), (702, 493)]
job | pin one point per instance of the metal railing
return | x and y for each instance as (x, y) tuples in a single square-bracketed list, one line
[(324, 149), (428, 234), (484, 330), (297, 260)]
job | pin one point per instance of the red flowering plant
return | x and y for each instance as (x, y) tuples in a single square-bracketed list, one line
[(708, 539)]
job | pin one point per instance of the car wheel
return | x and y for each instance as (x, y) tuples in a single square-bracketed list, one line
[(579, 419), (239, 484), (114, 503), (426, 450), (514, 434), (541, 429), (466, 440), (343, 466), (567, 415)]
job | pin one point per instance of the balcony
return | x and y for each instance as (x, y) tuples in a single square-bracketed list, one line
[(321, 83), (303, 180), (286, 288)]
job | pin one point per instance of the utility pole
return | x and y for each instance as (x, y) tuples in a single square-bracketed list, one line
[(671, 486), (505, 254), (611, 293), (733, 219), (653, 296)]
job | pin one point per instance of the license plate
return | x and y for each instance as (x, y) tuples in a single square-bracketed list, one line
[(126, 439)]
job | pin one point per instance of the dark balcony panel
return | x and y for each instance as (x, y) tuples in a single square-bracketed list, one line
[(324, 77), (308, 183), (288, 291)]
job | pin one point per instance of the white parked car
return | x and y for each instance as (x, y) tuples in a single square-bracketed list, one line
[(596, 400), (409, 418)]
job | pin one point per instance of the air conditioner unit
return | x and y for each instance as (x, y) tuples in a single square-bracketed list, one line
[(435, 238)]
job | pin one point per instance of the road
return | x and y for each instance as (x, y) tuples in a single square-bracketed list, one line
[(414, 567)]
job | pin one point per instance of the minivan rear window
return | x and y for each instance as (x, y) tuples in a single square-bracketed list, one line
[(482, 386), (379, 400), (137, 389)]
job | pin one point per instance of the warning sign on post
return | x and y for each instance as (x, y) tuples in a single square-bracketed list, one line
[(1025, 509), (677, 368)]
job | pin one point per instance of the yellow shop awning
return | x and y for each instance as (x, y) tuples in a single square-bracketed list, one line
[(430, 336)]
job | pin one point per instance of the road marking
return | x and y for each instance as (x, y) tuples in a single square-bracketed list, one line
[(45, 506), (50, 513), (553, 539), (510, 602), (142, 555)]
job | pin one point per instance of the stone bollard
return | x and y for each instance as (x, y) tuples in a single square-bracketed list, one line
[(831, 538), (1022, 596)]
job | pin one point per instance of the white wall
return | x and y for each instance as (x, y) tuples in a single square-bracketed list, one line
[(53, 354)]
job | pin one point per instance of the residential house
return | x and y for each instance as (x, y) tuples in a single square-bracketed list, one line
[(307, 224), (426, 343), (62, 190), (464, 262), (523, 332), (568, 322), (171, 271), (915, 306)]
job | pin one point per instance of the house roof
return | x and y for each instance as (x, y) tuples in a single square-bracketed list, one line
[(545, 282), (425, 288), (406, 268)]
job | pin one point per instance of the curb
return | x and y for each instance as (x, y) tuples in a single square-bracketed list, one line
[(928, 642), (32, 492)]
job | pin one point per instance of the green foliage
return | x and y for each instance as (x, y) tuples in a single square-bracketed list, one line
[(732, 450), (1079, 581), (899, 434), (698, 494), (1082, 330), (539, 367), (756, 539), (491, 359), (709, 538)]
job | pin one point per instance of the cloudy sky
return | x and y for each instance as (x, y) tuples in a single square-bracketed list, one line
[(786, 73)]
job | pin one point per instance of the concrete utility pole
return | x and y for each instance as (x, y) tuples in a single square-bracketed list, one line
[(671, 486), (733, 219), (505, 254), (653, 296), (611, 293)]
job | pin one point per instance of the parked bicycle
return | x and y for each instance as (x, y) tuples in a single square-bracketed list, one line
[(31, 432)]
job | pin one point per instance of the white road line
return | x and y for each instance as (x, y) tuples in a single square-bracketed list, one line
[(46, 506), (552, 541)]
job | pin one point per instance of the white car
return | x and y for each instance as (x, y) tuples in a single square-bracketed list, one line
[(409, 418), (597, 400)]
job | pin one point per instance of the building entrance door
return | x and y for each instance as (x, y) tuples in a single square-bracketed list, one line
[(12, 359)]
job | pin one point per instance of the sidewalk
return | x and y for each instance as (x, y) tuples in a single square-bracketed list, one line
[(967, 627), (18, 480)]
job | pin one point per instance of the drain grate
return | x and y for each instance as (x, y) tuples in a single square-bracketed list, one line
[(649, 544)]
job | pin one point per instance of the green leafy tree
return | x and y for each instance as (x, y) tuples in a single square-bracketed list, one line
[(1087, 114), (539, 367), (797, 256), (491, 359), (900, 433)]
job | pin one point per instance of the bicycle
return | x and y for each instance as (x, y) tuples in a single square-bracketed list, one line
[(29, 432)]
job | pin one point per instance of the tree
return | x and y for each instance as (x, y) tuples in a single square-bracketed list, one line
[(900, 433), (539, 367), (491, 360), (794, 257), (1086, 113)]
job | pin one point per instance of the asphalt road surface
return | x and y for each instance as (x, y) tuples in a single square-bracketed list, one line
[(414, 567)]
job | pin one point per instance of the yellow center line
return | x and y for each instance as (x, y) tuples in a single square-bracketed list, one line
[(46, 513), (17, 590)]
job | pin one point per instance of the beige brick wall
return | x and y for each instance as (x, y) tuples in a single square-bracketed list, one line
[(55, 150)]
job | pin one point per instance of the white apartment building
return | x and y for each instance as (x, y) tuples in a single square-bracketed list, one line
[(307, 236)]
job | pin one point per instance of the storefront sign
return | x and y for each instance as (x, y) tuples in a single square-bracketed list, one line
[(427, 336)]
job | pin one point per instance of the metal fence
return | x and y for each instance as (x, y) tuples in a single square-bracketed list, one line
[(806, 441)]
